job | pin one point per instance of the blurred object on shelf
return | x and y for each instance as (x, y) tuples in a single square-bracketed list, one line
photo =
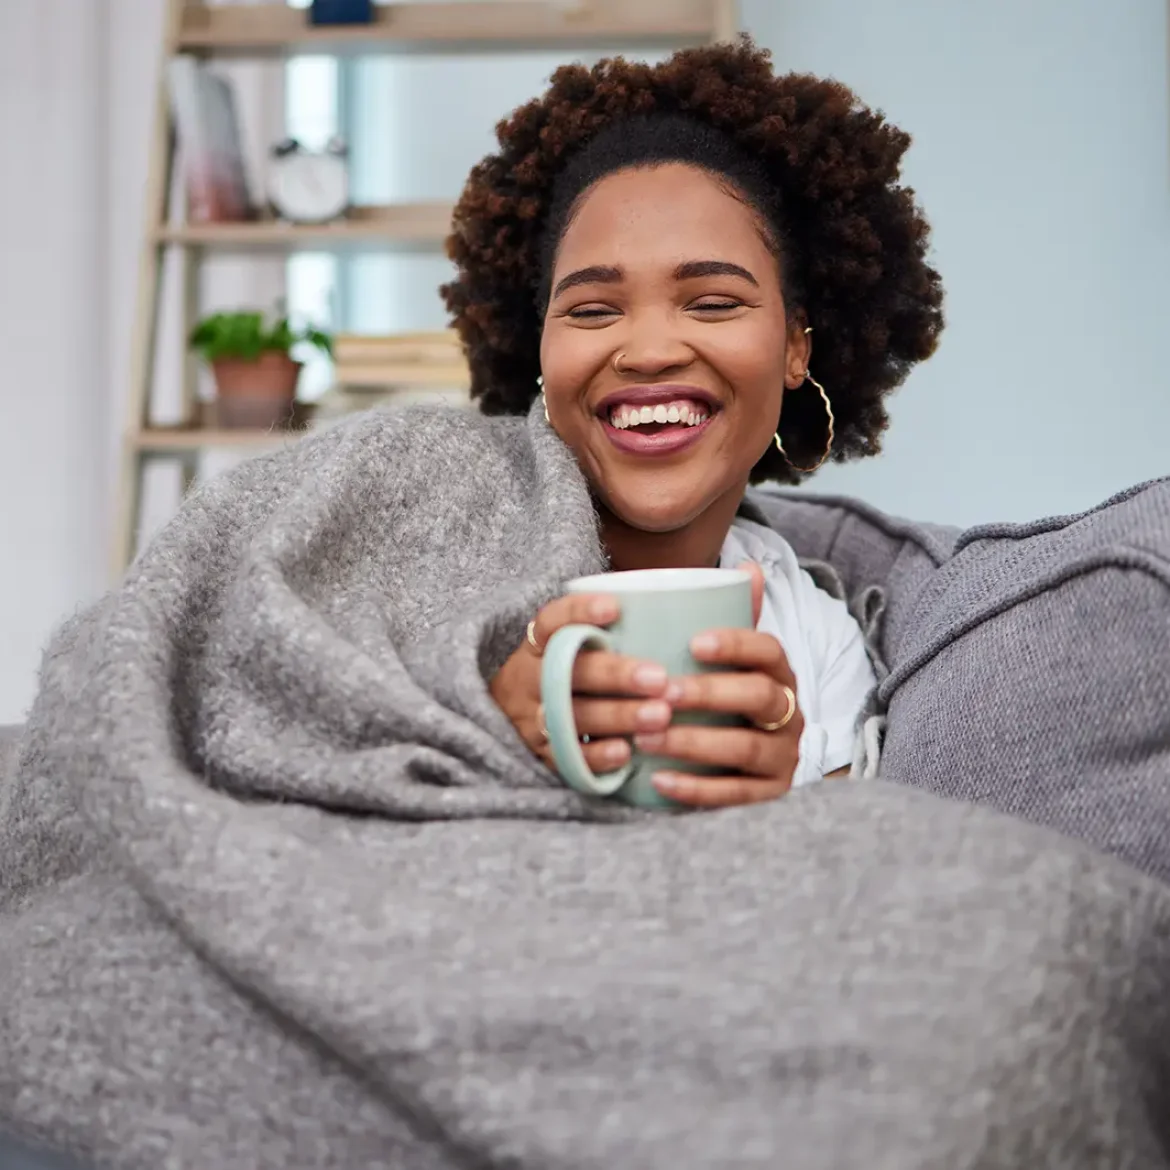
[(377, 361), (252, 359), (309, 186), (207, 128), (341, 12)]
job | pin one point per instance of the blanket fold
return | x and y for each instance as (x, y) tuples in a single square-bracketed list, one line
[(279, 884)]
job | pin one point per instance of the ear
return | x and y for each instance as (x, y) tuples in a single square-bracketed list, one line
[(798, 351)]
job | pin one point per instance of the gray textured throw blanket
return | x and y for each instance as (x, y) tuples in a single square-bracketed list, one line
[(280, 887)]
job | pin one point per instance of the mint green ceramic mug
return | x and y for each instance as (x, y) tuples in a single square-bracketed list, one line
[(661, 611)]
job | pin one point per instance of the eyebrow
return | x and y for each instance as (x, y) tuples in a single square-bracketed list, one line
[(594, 274), (688, 270), (695, 268)]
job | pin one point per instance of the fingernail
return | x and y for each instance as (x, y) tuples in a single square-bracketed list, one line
[(674, 692), (666, 783), (649, 677), (649, 742), (704, 644), (615, 753), (603, 609), (653, 716)]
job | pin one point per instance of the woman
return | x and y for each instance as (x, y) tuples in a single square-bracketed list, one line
[(660, 251)]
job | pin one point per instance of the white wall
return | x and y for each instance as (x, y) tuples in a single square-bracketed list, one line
[(77, 89), (54, 465), (1041, 155)]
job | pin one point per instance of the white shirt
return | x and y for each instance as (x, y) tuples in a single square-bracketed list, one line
[(823, 642)]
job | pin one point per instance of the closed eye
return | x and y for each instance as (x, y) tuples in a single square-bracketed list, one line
[(716, 306), (590, 312)]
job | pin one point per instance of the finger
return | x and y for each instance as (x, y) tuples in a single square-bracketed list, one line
[(600, 718), (752, 694), (601, 755), (755, 753), (606, 755), (593, 609), (757, 576), (744, 650), (718, 791), (598, 672)]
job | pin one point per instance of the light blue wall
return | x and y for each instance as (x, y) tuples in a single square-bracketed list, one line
[(1042, 155)]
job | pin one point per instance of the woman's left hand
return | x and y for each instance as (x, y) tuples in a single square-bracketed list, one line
[(758, 685)]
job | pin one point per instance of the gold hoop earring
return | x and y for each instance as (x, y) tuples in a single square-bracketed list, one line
[(832, 423), (616, 363)]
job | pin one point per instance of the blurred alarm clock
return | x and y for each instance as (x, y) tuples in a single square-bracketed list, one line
[(309, 186)]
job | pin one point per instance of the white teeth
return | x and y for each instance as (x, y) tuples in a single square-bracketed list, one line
[(683, 413)]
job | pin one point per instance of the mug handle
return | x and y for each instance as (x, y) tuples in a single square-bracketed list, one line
[(556, 693)]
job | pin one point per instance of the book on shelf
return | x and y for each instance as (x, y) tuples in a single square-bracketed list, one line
[(440, 347), (389, 374), (400, 360), (207, 129)]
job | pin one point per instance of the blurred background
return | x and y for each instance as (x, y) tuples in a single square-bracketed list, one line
[(1041, 156)]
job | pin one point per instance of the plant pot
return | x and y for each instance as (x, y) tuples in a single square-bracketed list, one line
[(256, 394)]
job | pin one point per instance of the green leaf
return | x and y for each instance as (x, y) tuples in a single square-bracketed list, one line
[(245, 335)]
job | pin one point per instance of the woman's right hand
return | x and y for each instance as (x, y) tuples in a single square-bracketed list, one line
[(614, 697)]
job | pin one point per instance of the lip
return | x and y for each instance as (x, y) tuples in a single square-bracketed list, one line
[(652, 395)]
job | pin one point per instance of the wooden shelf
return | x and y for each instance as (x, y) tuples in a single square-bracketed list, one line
[(162, 440), (276, 29), (403, 227)]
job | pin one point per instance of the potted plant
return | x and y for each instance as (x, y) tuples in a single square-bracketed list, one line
[(255, 373)]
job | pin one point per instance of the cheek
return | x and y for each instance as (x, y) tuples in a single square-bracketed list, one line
[(569, 359), (751, 361)]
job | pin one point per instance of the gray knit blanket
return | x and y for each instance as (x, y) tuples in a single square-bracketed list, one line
[(280, 886)]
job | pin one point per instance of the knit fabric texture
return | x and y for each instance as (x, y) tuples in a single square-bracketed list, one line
[(1028, 665), (280, 886)]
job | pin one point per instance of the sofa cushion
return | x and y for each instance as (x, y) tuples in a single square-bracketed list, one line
[(1032, 674)]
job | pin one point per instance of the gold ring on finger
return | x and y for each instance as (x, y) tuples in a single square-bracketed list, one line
[(786, 718), (531, 637)]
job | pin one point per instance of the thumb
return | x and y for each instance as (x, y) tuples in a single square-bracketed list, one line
[(757, 575)]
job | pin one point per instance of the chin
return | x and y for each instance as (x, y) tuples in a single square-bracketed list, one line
[(669, 514)]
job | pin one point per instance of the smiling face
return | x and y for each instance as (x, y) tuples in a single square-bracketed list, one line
[(666, 348)]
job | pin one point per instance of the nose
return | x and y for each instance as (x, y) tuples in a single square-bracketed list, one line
[(651, 350)]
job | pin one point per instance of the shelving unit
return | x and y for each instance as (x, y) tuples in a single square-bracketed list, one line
[(277, 30)]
